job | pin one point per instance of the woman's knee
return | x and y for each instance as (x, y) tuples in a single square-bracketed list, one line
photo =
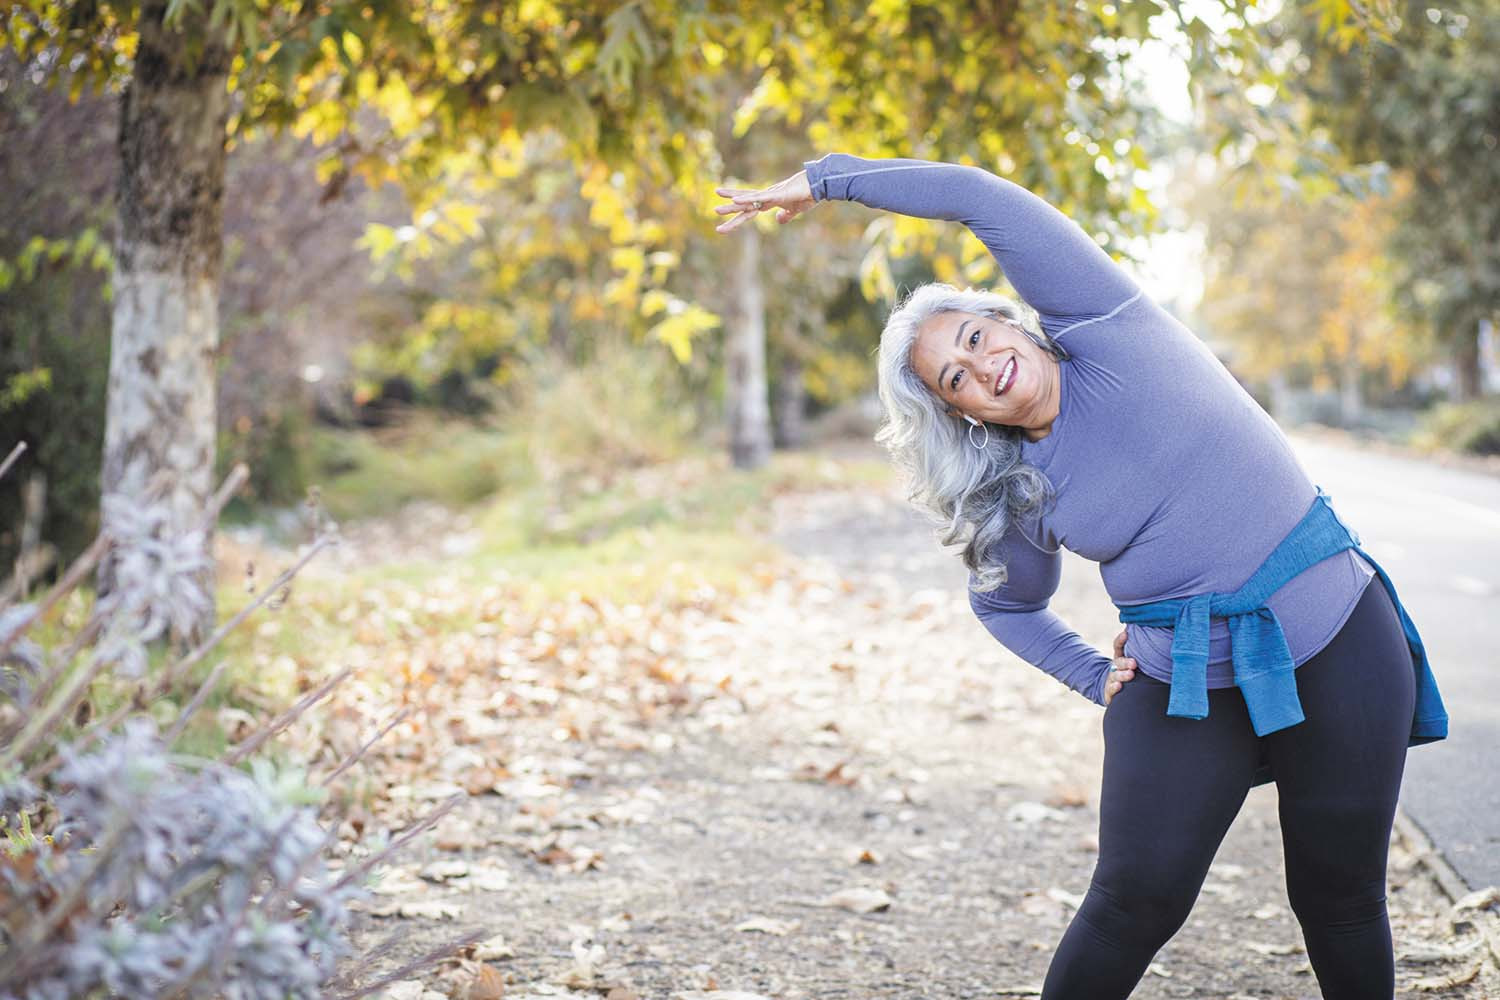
[(1332, 901), (1145, 903)]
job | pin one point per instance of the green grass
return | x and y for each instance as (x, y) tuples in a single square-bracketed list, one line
[(362, 474), (693, 518)]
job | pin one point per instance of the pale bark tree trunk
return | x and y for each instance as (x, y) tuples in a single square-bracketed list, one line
[(1279, 395), (1351, 400), (749, 411), (165, 327), (790, 415)]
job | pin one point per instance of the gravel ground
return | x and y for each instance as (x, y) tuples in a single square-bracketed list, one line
[(880, 753)]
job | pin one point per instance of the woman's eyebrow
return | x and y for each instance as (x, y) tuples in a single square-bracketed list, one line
[(956, 338)]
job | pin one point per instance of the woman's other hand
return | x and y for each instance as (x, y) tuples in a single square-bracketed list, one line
[(1121, 671), (791, 197)]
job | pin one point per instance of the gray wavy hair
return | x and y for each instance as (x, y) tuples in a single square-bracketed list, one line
[(974, 494)]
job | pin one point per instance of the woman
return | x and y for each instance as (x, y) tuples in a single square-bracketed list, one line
[(1098, 423)]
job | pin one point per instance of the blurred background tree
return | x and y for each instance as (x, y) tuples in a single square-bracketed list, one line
[(432, 83), (1302, 294), (1422, 96)]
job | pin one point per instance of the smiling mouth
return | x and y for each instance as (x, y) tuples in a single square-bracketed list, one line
[(1005, 376)]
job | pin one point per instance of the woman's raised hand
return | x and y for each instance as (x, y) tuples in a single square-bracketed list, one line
[(791, 197), (1122, 670)]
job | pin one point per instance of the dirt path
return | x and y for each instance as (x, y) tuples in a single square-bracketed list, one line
[(871, 736)]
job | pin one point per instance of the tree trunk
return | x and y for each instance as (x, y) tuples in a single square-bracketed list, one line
[(1279, 395), (745, 393), (1351, 400), (1466, 363), (164, 333), (790, 416)]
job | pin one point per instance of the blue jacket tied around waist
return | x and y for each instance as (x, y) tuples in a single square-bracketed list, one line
[(1263, 668)]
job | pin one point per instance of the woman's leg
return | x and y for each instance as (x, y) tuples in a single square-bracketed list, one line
[(1338, 774), (1171, 789)]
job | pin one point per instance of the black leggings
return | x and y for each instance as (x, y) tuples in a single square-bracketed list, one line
[(1172, 786)]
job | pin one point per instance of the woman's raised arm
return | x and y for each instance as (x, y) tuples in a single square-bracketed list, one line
[(1051, 261)]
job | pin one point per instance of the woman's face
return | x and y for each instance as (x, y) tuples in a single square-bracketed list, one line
[(987, 368)]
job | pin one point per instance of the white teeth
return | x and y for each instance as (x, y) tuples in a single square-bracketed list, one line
[(1010, 369)]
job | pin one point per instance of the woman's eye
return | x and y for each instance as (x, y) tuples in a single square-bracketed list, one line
[(973, 339), (953, 382)]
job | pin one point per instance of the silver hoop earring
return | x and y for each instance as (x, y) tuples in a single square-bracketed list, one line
[(985, 427)]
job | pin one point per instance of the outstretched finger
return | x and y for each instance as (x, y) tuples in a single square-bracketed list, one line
[(734, 223)]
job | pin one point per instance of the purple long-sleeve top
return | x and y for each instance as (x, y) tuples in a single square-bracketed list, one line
[(1166, 472)]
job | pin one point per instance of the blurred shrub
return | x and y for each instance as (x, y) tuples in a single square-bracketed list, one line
[(371, 473), (1472, 427), (277, 448), (559, 422), (623, 408), (54, 365)]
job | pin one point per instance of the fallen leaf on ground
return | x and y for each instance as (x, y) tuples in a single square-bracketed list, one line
[(1448, 982), (767, 925), (439, 871), (1479, 899), (1027, 813), (483, 878), (1430, 952), (835, 775), (419, 909), (550, 851), (618, 922), (587, 959), (858, 900), (409, 989), (397, 882), (492, 948), (1261, 948), (1068, 797), (455, 834), (488, 984)]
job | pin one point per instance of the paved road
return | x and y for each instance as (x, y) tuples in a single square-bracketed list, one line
[(1436, 531)]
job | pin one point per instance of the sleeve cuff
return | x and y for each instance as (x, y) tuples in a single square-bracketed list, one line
[(817, 177)]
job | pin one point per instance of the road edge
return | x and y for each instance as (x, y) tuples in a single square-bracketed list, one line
[(1486, 465), (1452, 884)]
